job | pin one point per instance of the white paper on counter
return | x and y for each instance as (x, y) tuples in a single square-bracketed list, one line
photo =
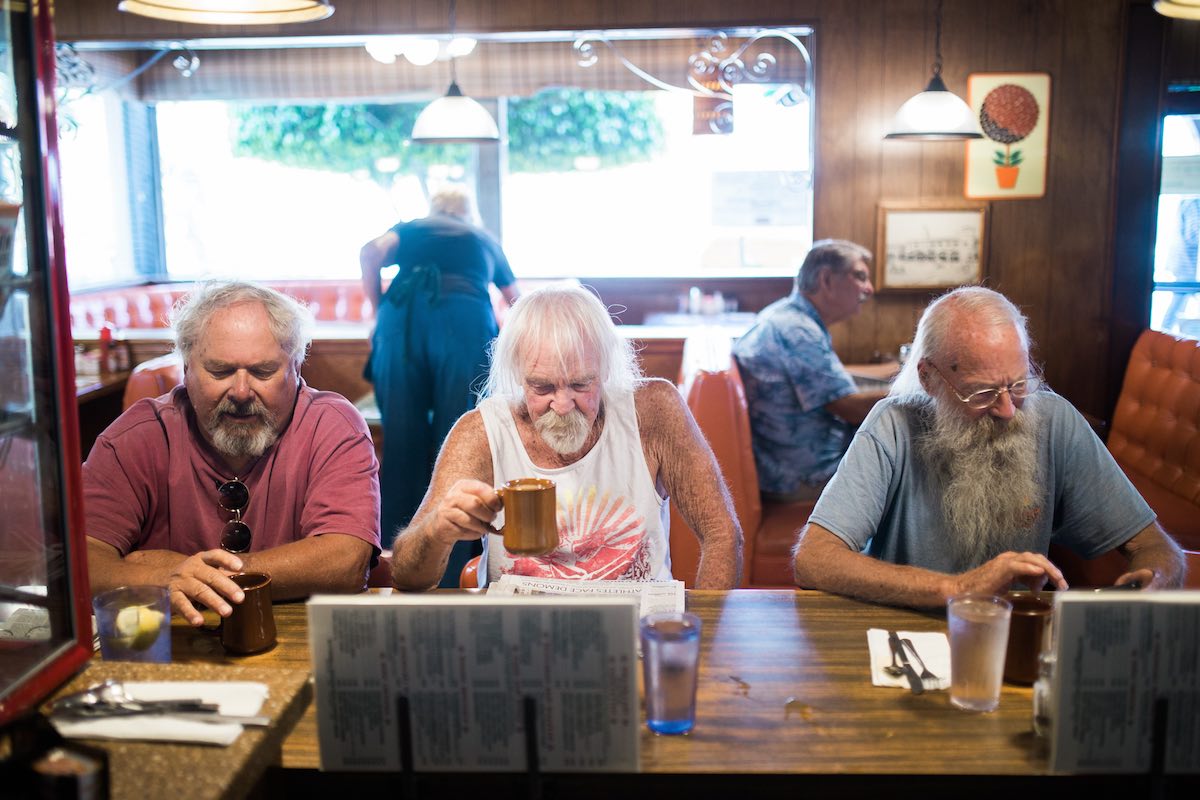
[(653, 596)]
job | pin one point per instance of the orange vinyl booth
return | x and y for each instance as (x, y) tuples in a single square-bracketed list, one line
[(153, 378), (717, 399), (1155, 438)]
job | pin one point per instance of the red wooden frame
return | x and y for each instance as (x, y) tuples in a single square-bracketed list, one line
[(69, 660)]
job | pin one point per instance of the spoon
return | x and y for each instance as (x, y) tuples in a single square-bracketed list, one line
[(111, 698), (894, 669)]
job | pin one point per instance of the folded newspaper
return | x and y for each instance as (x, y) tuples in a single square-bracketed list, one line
[(654, 596)]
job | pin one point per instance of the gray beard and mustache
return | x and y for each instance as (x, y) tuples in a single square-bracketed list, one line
[(564, 434), (989, 474), (239, 440)]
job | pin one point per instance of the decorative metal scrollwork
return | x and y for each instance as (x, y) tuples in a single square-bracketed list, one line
[(72, 71), (712, 72)]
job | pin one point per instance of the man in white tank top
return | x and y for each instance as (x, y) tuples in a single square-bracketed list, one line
[(566, 401)]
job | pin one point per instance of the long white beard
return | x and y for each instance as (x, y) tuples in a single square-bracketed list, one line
[(988, 470), (238, 440), (564, 434)]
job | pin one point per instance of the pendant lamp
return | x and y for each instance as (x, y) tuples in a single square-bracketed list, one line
[(230, 12), (454, 118), (1180, 9), (936, 114)]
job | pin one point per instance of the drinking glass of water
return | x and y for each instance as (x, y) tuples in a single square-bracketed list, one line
[(670, 661), (978, 641)]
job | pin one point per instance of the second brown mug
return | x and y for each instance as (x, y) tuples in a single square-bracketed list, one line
[(251, 626), (530, 516), (1028, 634)]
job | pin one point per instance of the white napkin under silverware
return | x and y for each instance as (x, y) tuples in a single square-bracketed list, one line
[(234, 698), (933, 647)]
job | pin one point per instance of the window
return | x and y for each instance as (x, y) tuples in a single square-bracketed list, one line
[(634, 181), (717, 205), (96, 205), (1175, 303)]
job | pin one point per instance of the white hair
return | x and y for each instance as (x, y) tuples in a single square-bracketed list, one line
[(939, 332), (570, 319), (290, 321)]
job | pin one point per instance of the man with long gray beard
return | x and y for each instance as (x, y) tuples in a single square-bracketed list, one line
[(242, 468), (960, 479), (566, 401)]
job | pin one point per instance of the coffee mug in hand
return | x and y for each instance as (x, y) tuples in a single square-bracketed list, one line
[(530, 516), (1028, 635), (251, 626)]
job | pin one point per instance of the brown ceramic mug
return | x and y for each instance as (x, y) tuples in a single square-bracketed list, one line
[(1028, 635), (251, 626), (530, 516)]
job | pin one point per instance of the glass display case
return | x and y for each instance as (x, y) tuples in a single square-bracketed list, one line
[(45, 623)]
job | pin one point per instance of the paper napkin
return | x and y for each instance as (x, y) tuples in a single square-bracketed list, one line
[(934, 649), (236, 698)]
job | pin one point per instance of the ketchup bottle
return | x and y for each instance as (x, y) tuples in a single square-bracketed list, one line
[(106, 350)]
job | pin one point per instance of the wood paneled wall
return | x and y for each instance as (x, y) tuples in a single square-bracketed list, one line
[(1052, 255)]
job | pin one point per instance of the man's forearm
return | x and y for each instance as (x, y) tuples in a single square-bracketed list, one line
[(418, 558), (107, 569), (1164, 559), (830, 566), (333, 562), (720, 564)]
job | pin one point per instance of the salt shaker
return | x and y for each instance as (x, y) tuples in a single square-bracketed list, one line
[(1043, 697)]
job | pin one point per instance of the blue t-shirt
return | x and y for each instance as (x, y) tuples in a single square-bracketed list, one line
[(791, 372), (884, 501)]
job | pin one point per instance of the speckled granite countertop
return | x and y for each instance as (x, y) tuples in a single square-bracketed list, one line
[(142, 770)]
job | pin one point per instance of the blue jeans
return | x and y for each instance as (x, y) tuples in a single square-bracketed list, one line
[(427, 359)]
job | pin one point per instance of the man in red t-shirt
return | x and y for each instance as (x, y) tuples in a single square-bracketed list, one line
[(243, 467)]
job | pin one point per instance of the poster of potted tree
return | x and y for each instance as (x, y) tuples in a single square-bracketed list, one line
[(1013, 110)]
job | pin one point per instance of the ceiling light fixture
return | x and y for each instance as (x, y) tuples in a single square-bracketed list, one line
[(230, 12), (936, 114), (1179, 9), (454, 118)]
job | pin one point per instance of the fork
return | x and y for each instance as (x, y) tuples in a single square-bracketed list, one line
[(926, 674)]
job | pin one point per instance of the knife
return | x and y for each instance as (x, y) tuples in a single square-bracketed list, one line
[(914, 680)]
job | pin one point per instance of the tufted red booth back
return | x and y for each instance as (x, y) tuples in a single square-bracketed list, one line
[(1155, 434), (147, 306)]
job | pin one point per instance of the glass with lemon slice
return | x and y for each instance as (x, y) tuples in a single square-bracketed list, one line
[(134, 624)]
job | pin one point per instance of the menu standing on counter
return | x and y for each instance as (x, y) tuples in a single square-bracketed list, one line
[(1119, 655), (465, 665)]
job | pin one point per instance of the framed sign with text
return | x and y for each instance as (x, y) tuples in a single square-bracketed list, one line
[(922, 246)]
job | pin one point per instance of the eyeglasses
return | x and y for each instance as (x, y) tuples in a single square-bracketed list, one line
[(233, 496), (986, 398)]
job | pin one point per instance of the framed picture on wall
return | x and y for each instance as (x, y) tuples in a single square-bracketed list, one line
[(1013, 110), (923, 246)]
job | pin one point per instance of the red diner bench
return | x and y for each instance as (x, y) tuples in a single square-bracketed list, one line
[(147, 306), (1155, 439), (717, 399)]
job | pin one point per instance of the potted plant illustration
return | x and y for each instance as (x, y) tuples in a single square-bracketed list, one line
[(1009, 113)]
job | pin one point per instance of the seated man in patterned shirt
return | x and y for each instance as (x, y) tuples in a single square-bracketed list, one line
[(803, 404)]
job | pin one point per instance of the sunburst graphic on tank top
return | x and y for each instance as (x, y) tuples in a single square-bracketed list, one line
[(601, 536)]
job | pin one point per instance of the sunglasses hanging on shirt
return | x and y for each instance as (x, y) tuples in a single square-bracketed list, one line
[(234, 496)]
